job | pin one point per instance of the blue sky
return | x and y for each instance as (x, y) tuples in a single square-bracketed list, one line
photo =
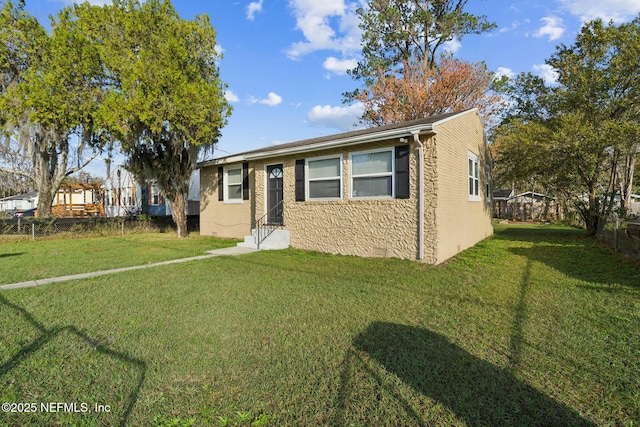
[(285, 60)]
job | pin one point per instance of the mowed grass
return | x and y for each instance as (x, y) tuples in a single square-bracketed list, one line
[(30, 260), (534, 326)]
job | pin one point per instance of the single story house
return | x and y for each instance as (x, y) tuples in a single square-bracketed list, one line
[(526, 206), (416, 190), (124, 196), (19, 202)]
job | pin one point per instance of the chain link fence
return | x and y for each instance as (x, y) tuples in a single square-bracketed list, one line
[(623, 236), (35, 228)]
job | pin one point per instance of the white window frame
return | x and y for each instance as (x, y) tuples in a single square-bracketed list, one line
[(473, 176), (307, 177), (153, 187), (226, 183), (392, 174), (487, 185)]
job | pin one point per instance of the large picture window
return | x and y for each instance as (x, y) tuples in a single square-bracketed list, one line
[(233, 187), (324, 178), (474, 177), (372, 174)]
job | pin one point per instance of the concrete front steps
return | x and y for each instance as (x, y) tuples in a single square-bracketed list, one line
[(278, 239)]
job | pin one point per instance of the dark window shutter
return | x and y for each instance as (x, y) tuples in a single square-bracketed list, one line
[(402, 171), (245, 181), (220, 184), (300, 180)]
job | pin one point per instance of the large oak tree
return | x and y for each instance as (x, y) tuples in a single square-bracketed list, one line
[(581, 135), (165, 101), (50, 89)]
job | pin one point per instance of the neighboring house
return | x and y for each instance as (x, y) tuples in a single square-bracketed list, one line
[(416, 190), (635, 204), (500, 203), (77, 200), (19, 202), (527, 206), (124, 196)]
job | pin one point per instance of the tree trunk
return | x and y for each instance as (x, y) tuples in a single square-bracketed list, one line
[(178, 205), (626, 183), (593, 215)]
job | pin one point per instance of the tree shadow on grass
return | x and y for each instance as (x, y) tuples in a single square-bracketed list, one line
[(478, 392), (541, 233), (8, 255), (585, 263), (48, 335)]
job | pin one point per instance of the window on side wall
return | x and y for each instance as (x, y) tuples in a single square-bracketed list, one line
[(487, 184), (155, 195), (324, 178), (372, 174), (233, 187), (474, 177)]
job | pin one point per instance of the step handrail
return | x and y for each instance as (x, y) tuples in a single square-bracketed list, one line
[(264, 228)]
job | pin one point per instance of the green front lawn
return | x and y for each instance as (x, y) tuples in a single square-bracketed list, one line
[(30, 260), (535, 326)]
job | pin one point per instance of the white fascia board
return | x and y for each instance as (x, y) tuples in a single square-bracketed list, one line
[(455, 116)]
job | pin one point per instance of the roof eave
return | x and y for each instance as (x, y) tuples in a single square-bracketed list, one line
[(325, 145)]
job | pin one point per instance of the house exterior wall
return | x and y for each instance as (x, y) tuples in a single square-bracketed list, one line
[(375, 227), (18, 204), (381, 227), (460, 223), (221, 219)]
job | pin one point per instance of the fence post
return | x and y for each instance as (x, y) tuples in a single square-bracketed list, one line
[(18, 225), (33, 230), (617, 235), (122, 226)]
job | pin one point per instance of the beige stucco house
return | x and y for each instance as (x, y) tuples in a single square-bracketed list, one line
[(417, 190)]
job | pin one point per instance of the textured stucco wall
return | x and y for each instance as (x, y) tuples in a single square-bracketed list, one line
[(460, 223), (372, 227), (233, 220), (364, 227)]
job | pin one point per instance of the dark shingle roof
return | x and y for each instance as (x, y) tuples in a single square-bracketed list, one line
[(501, 194), (341, 136), (25, 196)]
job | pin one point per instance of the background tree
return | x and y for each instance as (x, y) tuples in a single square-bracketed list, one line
[(403, 74), (50, 90), (167, 100), (397, 32), (576, 136), (422, 90)]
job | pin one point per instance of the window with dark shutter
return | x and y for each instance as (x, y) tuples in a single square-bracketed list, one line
[(402, 171), (220, 184), (300, 180), (245, 181)]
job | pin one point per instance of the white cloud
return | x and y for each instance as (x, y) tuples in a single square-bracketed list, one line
[(339, 66), (342, 118), (271, 100), (230, 96), (317, 21), (253, 8), (616, 10), (504, 71), (513, 26), (553, 28), (452, 46), (547, 72)]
